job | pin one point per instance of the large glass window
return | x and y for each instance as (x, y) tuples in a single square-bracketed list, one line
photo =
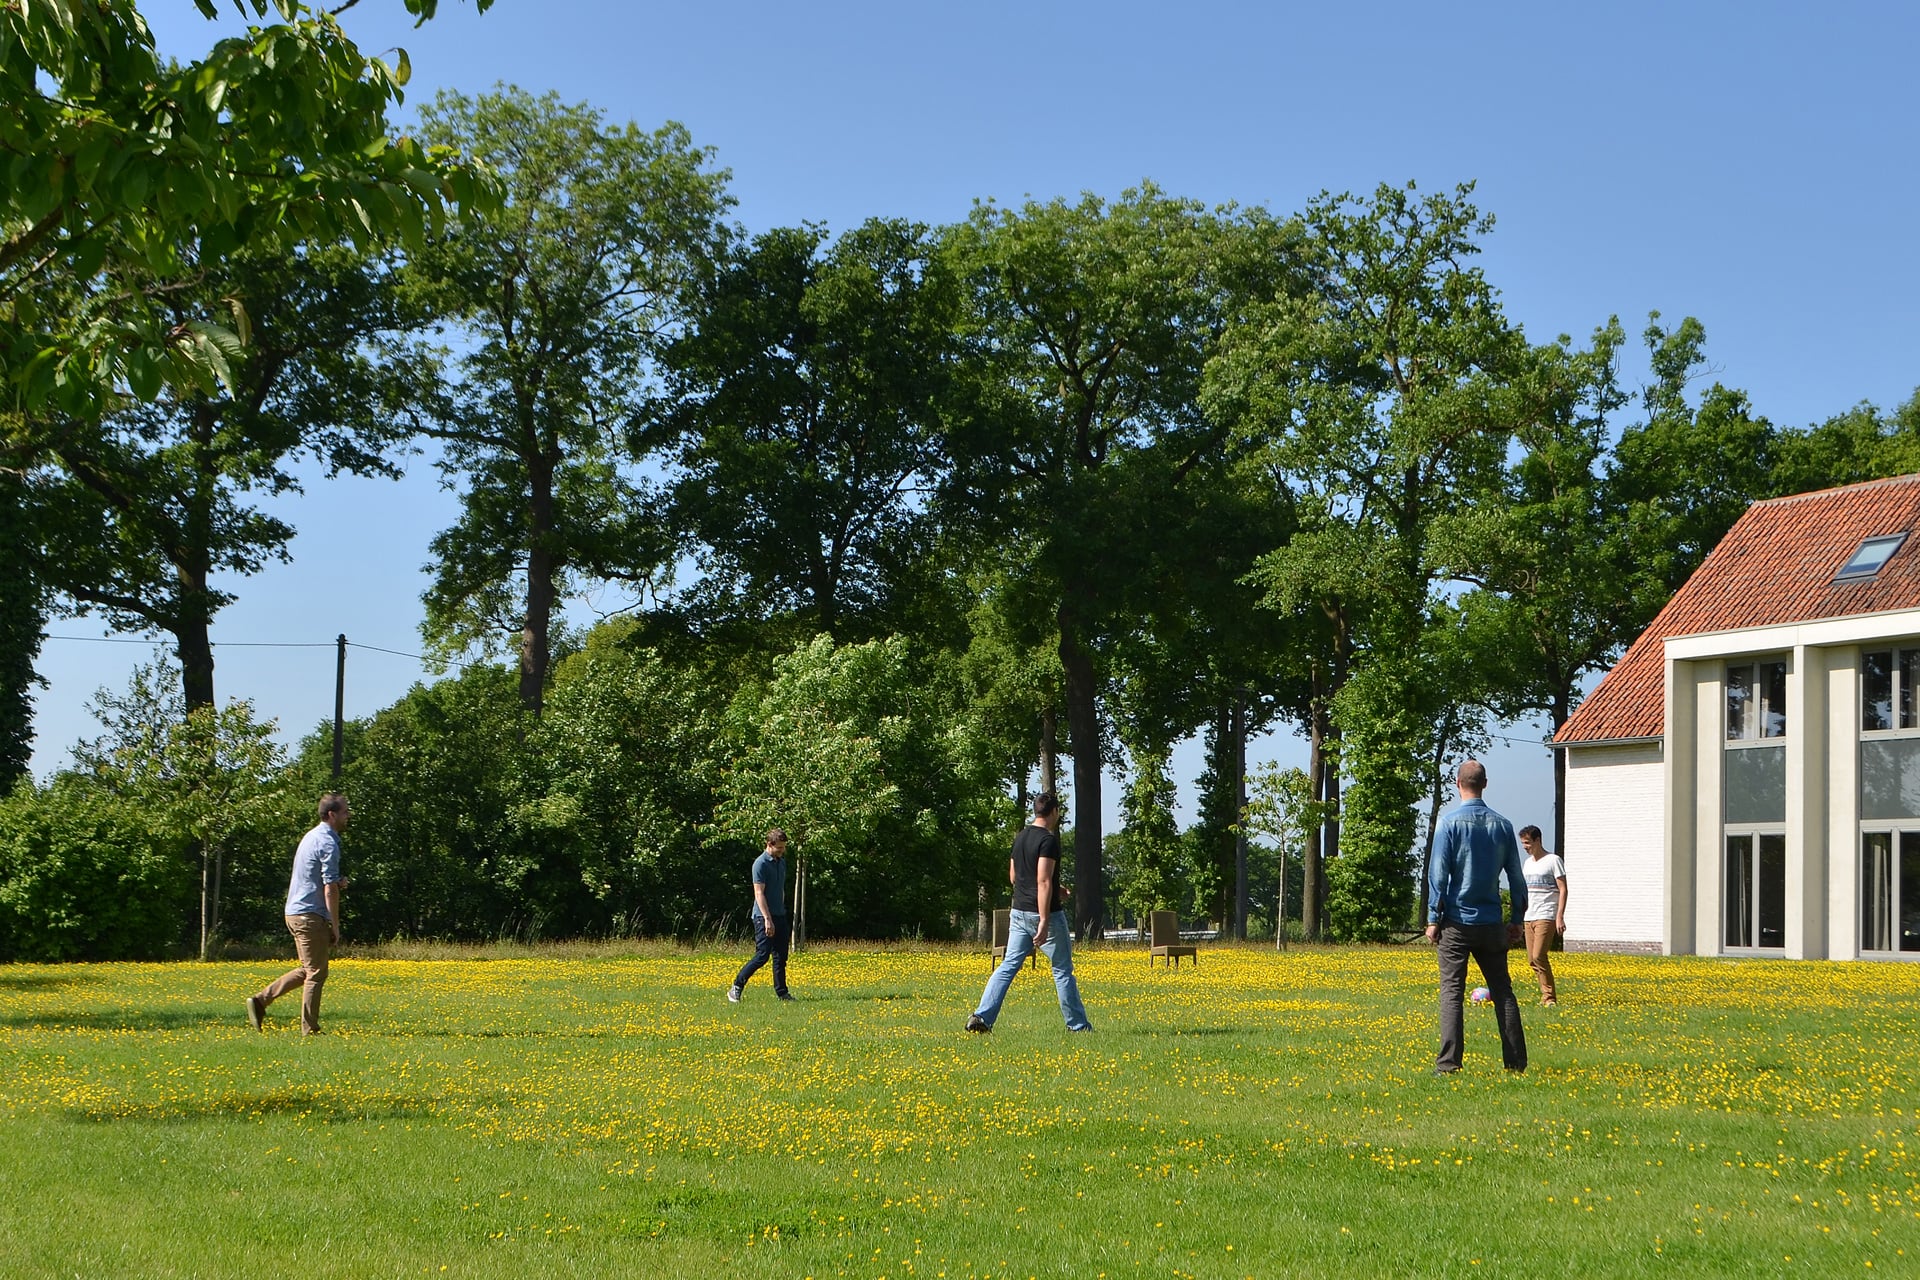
[(1756, 700), (1888, 699), (1756, 789), (1890, 891), (1756, 890), (1889, 778)]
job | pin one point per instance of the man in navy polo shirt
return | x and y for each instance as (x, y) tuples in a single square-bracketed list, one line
[(772, 932), (1471, 850)]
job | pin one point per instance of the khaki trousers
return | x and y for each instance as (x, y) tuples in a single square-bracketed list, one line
[(1539, 938), (313, 944)]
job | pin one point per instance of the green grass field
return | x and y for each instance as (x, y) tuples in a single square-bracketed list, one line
[(1259, 1115)]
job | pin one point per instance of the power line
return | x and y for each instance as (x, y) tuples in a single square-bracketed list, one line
[(417, 657), (277, 644)]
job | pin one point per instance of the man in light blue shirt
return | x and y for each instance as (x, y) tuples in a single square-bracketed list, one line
[(313, 916), (1472, 848)]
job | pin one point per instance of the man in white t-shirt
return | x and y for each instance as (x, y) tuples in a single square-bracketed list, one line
[(1546, 879)]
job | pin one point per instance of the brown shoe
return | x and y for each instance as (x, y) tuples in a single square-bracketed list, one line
[(257, 1012)]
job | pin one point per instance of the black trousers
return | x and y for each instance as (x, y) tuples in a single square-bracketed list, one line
[(1487, 944), (764, 949)]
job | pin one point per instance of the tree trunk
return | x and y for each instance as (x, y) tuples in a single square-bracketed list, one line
[(210, 861), (799, 925), (1561, 713), (1331, 848), (1238, 756), (1083, 727), (1280, 903), (22, 626), (194, 648), (1426, 854), (1049, 750), (1310, 864), (535, 654)]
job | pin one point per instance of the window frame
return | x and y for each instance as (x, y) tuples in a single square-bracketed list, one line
[(1754, 713), (1903, 693), (1753, 832), (1893, 830), (1846, 573)]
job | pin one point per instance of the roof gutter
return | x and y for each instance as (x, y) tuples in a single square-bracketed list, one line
[(1608, 742)]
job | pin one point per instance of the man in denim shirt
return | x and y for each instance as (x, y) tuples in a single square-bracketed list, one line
[(313, 916), (1473, 846)]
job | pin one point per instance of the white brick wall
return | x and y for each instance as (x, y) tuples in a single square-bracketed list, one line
[(1616, 847)]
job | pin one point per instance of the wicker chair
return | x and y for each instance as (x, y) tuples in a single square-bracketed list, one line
[(1163, 939)]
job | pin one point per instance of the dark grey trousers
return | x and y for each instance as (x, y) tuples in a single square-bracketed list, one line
[(1487, 944)]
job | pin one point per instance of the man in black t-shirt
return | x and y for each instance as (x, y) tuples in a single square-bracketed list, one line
[(1039, 920)]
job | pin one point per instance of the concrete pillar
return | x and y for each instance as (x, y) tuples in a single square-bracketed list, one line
[(1707, 865), (1680, 761), (1807, 728), (1841, 783)]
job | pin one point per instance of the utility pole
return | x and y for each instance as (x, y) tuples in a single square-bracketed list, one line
[(339, 702)]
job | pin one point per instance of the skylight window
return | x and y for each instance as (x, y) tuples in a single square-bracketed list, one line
[(1870, 558)]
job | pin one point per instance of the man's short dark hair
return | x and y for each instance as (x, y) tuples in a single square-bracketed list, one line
[(330, 804), (1529, 832), (1472, 775), (776, 835), (1045, 805)]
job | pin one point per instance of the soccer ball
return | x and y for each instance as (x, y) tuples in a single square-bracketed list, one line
[(1480, 995)]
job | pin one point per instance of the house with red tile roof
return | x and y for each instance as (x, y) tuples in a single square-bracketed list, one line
[(1746, 779)]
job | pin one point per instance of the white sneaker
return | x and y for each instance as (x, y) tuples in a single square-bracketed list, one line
[(733, 995)]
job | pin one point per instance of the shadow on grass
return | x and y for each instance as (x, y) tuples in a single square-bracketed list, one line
[(329, 1106), (43, 981), (142, 1020)]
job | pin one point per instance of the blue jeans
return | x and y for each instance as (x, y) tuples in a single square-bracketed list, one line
[(1059, 950)]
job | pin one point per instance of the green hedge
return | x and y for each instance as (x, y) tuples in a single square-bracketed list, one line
[(83, 876)]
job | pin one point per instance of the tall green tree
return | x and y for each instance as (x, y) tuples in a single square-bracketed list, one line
[(1861, 443), (1558, 570), (1091, 322), (22, 627), (1384, 400), (559, 296), (802, 414), (126, 174), (141, 510), (1690, 469)]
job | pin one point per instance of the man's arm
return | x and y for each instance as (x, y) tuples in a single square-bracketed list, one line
[(1043, 891), (1437, 878), (332, 882), (1516, 885), (766, 912), (1560, 916)]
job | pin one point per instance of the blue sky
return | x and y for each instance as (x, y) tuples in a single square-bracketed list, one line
[(1750, 164)]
